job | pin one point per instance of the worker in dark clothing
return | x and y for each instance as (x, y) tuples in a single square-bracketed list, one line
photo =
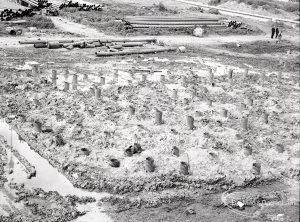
[(273, 32), (276, 32)]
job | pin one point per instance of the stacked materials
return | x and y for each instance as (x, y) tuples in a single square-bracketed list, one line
[(9, 14), (39, 4), (170, 22), (105, 47), (81, 7)]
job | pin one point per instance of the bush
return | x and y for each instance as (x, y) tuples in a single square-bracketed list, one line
[(162, 7), (213, 11), (40, 22), (214, 2)]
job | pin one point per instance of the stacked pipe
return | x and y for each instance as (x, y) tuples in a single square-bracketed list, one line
[(112, 45), (170, 22), (39, 4), (9, 14), (81, 7)]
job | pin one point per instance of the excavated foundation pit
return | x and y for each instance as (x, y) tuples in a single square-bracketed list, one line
[(47, 177)]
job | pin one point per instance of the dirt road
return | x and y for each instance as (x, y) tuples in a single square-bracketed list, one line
[(79, 29)]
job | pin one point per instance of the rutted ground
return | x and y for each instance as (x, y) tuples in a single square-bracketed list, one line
[(243, 137), (81, 136)]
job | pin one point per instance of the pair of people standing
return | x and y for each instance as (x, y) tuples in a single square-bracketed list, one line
[(276, 33)]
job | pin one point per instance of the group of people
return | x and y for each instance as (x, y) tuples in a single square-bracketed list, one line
[(275, 33)]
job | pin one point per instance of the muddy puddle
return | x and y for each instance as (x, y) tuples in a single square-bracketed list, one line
[(47, 177)]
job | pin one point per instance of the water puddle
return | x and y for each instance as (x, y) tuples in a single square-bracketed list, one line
[(47, 177)]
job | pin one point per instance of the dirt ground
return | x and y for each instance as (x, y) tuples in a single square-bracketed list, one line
[(256, 164)]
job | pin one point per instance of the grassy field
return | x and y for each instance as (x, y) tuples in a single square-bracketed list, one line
[(4, 4), (268, 5)]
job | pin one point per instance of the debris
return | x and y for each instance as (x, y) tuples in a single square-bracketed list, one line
[(198, 32), (190, 211), (240, 205), (182, 49), (114, 163)]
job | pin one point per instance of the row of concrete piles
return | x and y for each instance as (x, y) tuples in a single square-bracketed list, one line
[(158, 113), (149, 162)]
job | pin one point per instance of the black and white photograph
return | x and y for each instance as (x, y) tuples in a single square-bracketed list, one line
[(149, 110)]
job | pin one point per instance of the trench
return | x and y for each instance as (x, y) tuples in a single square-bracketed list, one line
[(47, 177)]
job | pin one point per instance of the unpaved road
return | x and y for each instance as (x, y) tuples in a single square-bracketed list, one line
[(79, 29)]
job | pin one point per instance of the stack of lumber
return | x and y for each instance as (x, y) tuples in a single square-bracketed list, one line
[(170, 22)]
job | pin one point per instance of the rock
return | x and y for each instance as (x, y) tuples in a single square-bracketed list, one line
[(190, 211), (198, 32), (114, 163), (181, 49)]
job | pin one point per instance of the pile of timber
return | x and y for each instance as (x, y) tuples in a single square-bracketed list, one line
[(81, 7), (36, 4), (90, 43), (9, 14), (122, 52), (170, 22), (107, 47)]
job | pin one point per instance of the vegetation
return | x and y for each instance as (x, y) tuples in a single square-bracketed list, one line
[(268, 5), (40, 22)]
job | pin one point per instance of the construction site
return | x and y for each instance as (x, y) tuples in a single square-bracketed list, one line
[(158, 110)]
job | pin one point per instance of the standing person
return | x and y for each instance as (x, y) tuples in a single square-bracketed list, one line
[(276, 32), (272, 31), (279, 37)]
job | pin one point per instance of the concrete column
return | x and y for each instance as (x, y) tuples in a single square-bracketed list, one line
[(183, 81), (245, 74), (158, 117), (144, 78), (186, 101), (224, 113), (190, 122), (85, 77), (97, 93), (230, 73), (116, 77), (211, 75), (162, 78), (102, 80), (66, 86), (245, 123), (66, 74), (131, 110), (174, 94)]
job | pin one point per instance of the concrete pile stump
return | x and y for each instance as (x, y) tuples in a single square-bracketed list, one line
[(158, 117), (230, 74), (131, 110), (97, 93), (75, 82), (211, 75), (66, 86), (175, 151), (149, 165), (184, 168), (174, 94), (144, 78), (245, 73), (102, 80), (66, 73), (245, 123), (54, 77), (190, 122), (224, 113), (162, 78)]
